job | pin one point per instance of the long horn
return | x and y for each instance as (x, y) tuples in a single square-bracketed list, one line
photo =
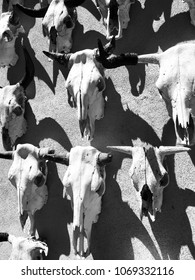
[(30, 70), (123, 149), (31, 12), (61, 158), (149, 58), (7, 155), (61, 58), (114, 61), (169, 150), (73, 3), (104, 158)]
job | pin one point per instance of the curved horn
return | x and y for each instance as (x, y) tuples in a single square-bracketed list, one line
[(61, 158), (7, 155), (73, 3), (123, 149), (61, 58), (31, 12), (169, 150), (30, 70), (114, 61), (149, 58), (104, 158)]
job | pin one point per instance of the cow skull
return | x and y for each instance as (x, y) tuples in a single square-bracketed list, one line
[(28, 174), (59, 19), (115, 15), (10, 27), (12, 106), (85, 85), (175, 83), (148, 174), (25, 248), (84, 184), (191, 4)]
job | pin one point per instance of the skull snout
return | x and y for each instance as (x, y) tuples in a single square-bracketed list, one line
[(185, 134)]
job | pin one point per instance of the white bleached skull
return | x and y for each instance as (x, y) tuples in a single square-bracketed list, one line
[(84, 184), (28, 174), (85, 85), (115, 15), (10, 27), (175, 83), (12, 106), (149, 175), (59, 19), (25, 248)]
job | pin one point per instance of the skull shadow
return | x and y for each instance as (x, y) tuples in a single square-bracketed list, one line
[(118, 223), (175, 30), (14, 73), (169, 224), (52, 219), (141, 38)]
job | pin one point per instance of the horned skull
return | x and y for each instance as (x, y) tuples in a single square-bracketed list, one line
[(115, 15), (12, 106), (191, 4), (149, 175), (59, 19), (85, 85), (84, 184), (28, 174), (25, 248), (175, 83), (10, 27)]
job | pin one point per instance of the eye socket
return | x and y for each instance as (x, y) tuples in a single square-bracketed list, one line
[(100, 84), (164, 180), (68, 22), (39, 180)]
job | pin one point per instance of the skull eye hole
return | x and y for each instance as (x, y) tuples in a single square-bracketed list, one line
[(164, 180), (39, 180), (100, 85), (68, 22)]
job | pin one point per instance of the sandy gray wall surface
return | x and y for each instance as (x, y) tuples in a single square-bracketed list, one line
[(134, 114)]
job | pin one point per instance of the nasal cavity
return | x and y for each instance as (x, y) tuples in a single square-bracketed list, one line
[(53, 35), (146, 193), (186, 133)]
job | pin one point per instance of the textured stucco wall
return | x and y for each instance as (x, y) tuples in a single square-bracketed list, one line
[(134, 114)]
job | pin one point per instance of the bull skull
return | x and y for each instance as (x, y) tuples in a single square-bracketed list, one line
[(28, 174), (25, 248), (85, 85), (191, 4), (175, 83), (115, 15), (84, 184), (148, 174), (10, 27), (59, 19), (12, 106)]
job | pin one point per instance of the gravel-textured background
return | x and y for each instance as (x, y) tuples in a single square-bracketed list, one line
[(134, 114)]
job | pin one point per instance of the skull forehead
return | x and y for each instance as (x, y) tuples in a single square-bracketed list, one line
[(177, 66), (24, 150), (56, 13), (147, 167), (11, 91), (83, 154)]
